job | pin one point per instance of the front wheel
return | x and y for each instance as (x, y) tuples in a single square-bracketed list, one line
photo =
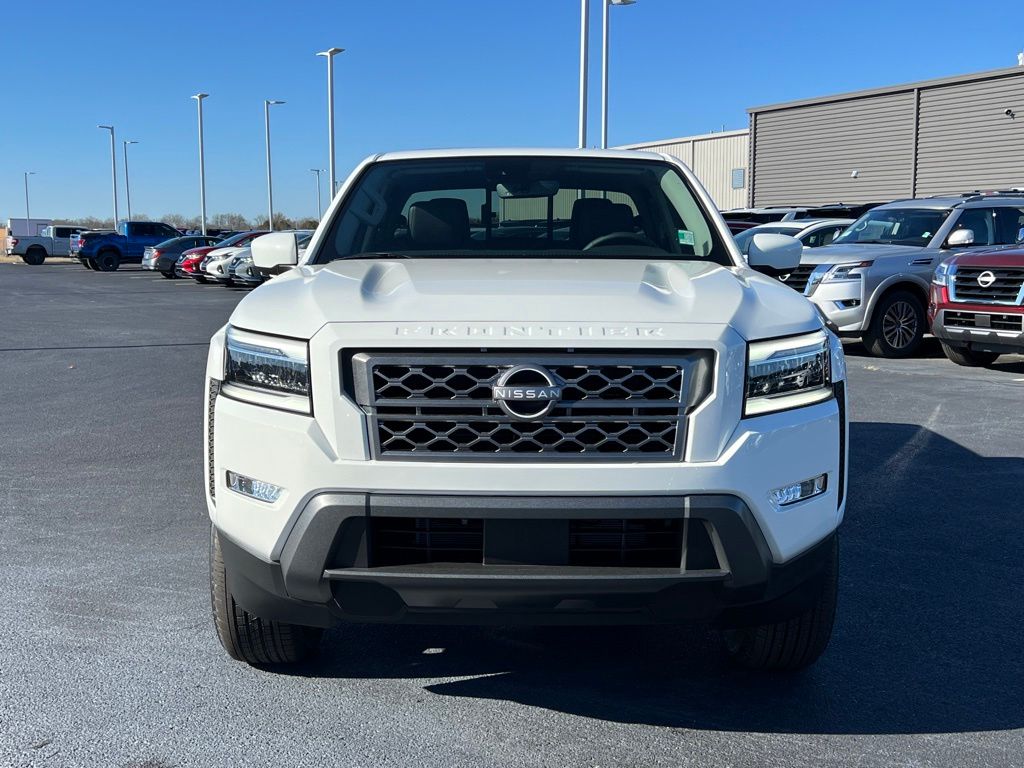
[(245, 636), (798, 642), (968, 357), (897, 326), (169, 275)]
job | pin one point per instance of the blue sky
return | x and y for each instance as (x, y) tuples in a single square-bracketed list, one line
[(419, 73)]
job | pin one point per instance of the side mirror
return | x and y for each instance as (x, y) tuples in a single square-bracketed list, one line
[(275, 251), (960, 238), (774, 254)]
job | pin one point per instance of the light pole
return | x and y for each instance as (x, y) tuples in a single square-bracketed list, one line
[(604, 66), (584, 50), (28, 213), (319, 207), (127, 184), (202, 163), (270, 182), (113, 167), (329, 54)]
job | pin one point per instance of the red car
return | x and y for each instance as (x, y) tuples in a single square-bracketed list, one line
[(977, 305), (191, 263)]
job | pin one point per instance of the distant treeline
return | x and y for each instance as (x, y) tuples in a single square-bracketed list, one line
[(232, 221)]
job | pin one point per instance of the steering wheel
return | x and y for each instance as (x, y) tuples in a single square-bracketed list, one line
[(618, 238)]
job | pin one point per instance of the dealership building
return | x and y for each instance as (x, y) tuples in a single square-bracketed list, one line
[(950, 135)]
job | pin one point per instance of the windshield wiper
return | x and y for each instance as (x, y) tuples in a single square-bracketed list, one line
[(374, 255)]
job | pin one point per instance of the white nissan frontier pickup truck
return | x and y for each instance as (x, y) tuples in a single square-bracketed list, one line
[(525, 386)]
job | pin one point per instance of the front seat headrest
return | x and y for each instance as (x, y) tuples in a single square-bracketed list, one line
[(441, 223)]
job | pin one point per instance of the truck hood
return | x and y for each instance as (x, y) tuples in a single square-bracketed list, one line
[(841, 254), (301, 301)]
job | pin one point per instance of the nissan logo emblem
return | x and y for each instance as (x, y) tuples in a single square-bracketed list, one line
[(526, 392), (986, 278)]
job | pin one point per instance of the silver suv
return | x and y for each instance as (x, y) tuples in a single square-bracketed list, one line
[(872, 282)]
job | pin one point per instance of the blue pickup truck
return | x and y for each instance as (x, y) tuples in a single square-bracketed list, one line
[(105, 251)]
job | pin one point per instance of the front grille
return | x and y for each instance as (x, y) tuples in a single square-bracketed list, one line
[(612, 405), (592, 543), (626, 543), (1005, 289), (987, 320), (211, 402), (419, 540), (798, 278)]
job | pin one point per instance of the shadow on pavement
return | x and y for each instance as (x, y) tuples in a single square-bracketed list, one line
[(928, 638)]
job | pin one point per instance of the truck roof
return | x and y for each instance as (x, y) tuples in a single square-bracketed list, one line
[(430, 154)]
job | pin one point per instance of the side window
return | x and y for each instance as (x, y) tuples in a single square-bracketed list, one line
[(1009, 223), (61, 232), (164, 231), (981, 222)]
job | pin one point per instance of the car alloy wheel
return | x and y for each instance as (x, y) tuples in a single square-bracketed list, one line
[(899, 325)]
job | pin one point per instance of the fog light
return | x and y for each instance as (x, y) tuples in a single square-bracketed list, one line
[(791, 494), (254, 489)]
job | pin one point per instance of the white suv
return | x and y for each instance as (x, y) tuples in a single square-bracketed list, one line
[(525, 386)]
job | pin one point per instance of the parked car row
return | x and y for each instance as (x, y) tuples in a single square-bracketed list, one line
[(952, 264)]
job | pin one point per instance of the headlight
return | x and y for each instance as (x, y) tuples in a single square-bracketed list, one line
[(846, 271), (788, 373), (267, 370), (942, 273)]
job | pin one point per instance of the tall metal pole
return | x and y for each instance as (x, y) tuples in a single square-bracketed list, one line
[(202, 163), (28, 213), (113, 168), (606, 4), (270, 181), (319, 207), (330, 53), (127, 183), (584, 53)]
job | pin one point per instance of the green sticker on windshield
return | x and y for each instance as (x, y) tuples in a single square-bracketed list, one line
[(685, 237)]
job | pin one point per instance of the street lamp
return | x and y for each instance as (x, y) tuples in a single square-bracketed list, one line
[(604, 67), (28, 214), (319, 207), (113, 167), (127, 184), (202, 163), (330, 53), (267, 103), (584, 49)]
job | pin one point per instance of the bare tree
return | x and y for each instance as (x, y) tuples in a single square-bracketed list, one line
[(230, 221), (280, 222)]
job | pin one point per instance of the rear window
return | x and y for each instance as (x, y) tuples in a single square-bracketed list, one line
[(522, 207)]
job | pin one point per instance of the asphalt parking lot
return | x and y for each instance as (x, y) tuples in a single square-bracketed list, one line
[(108, 656)]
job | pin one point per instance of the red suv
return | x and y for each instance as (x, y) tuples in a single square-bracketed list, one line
[(977, 305)]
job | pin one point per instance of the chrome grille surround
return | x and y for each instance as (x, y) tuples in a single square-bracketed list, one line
[(1007, 287), (213, 391), (618, 405)]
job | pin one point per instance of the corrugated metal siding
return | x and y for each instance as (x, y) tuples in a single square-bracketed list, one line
[(712, 157), (805, 155), (713, 162), (966, 141)]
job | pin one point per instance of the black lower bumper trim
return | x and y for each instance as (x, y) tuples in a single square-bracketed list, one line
[(324, 578)]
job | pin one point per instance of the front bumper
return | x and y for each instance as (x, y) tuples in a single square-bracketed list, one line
[(986, 335), (323, 576), (843, 302)]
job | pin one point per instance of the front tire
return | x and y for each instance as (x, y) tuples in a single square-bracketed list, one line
[(245, 636), (108, 261), (968, 357), (796, 643), (169, 275), (34, 256), (897, 326)]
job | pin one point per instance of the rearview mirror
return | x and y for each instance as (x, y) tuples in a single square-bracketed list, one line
[(960, 238), (274, 251), (774, 254)]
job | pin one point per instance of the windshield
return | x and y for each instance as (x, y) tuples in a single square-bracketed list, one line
[(744, 237), (522, 207), (894, 226), (239, 239)]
